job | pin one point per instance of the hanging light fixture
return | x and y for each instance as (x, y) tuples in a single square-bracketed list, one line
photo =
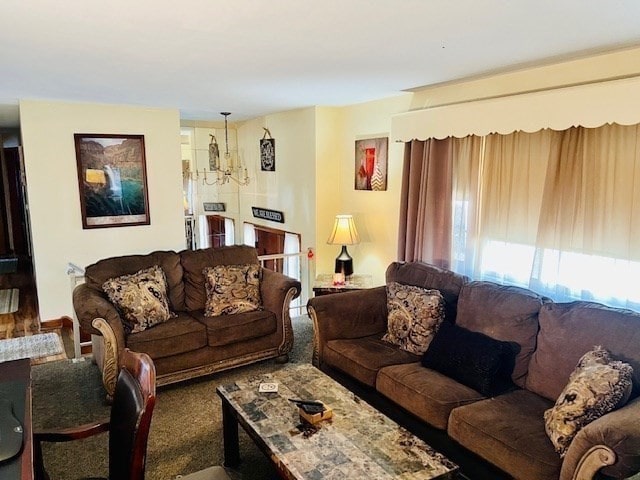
[(228, 169)]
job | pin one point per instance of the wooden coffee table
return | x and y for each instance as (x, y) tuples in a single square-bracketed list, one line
[(359, 442)]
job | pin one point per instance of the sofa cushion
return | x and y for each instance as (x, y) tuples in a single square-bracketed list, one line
[(508, 431), (232, 289), (228, 329), (597, 386), (505, 313), (362, 358), (413, 316), (471, 358), (141, 298), (175, 336), (99, 272), (431, 277), (427, 394), (195, 261), (569, 330)]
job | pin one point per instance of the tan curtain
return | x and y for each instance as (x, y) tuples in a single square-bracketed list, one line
[(592, 196), (503, 207), (425, 205), (467, 164), (513, 178), (558, 212)]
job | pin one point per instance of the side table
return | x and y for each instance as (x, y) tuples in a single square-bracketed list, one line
[(324, 284)]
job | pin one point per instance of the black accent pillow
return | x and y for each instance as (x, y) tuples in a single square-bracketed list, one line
[(472, 358)]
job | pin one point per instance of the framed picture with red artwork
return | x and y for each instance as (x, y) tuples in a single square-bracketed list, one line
[(371, 164)]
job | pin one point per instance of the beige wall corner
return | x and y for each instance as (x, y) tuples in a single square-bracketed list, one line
[(291, 188), (54, 201), (375, 213)]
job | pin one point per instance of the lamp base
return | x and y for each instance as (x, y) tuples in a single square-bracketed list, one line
[(344, 263)]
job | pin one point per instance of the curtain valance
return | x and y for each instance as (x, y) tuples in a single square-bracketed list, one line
[(592, 105)]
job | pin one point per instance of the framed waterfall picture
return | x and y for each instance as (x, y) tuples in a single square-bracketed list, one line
[(371, 164), (112, 180)]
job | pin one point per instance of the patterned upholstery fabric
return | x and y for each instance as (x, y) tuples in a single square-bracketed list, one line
[(414, 315), (597, 386), (141, 298), (232, 289)]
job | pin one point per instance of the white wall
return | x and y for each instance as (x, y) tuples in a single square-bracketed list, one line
[(376, 214), (54, 201), (329, 157), (314, 179), (291, 188)]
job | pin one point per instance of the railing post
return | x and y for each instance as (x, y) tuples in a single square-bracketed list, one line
[(303, 275), (76, 277)]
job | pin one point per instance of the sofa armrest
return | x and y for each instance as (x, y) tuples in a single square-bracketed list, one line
[(277, 292), (354, 314), (274, 288), (609, 445), (90, 304), (114, 343)]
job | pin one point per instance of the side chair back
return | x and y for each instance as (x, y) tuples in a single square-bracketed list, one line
[(128, 425), (133, 402)]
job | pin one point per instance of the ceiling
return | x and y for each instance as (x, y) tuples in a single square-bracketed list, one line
[(253, 58)]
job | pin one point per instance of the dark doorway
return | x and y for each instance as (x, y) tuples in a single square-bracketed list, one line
[(16, 263), (217, 230), (14, 233), (270, 241)]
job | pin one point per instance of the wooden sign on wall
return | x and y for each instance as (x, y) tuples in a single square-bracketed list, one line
[(214, 206), (267, 152), (266, 214)]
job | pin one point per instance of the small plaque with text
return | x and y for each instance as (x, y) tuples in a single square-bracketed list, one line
[(214, 207)]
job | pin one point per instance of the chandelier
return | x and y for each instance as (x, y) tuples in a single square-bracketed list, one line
[(229, 168)]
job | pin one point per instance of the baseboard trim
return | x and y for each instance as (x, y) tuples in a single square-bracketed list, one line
[(52, 324), (64, 322)]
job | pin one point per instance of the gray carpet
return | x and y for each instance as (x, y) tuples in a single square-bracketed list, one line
[(186, 430)]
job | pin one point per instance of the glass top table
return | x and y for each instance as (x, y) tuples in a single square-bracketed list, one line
[(358, 442)]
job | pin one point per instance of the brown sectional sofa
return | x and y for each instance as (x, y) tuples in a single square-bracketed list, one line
[(507, 430), (191, 344)]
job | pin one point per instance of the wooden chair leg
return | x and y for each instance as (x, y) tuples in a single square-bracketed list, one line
[(39, 473)]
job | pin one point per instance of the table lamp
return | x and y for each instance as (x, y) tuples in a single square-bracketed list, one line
[(344, 233)]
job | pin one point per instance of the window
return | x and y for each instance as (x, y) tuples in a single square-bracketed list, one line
[(557, 212), (215, 231), (271, 241)]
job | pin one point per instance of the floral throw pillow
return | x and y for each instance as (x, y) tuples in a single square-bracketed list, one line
[(141, 298), (414, 315), (232, 289), (597, 386)]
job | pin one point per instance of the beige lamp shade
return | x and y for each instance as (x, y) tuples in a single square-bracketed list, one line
[(344, 231)]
